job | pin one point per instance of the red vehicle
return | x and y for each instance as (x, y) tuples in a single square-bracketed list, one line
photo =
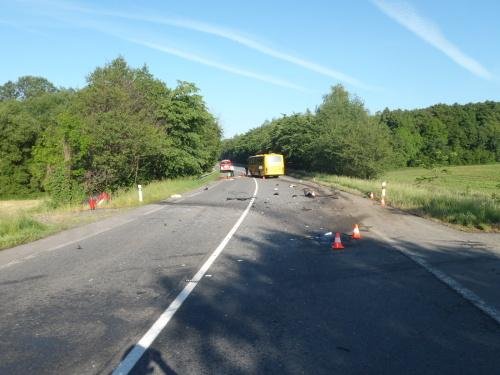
[(226, 166)]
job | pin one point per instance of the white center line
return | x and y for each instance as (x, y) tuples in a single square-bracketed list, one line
[(128, 363)]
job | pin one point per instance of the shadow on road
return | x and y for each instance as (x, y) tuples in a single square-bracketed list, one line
[(289, 304), (151, 362)]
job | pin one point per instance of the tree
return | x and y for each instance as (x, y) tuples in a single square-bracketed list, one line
[(348, 141), (26, 87)]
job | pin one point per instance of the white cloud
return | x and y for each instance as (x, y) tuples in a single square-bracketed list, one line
[(407, 16)]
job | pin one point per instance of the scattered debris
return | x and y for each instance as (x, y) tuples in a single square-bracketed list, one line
[(208, 275), (306, 209), (292, 185), (276, 193), (294, 196), (78, 247), (275, 189), (238, 198), (328, 234), (344, 349), (239, 260), (277, 185), (309, 193), (205, 188), (175, 196)]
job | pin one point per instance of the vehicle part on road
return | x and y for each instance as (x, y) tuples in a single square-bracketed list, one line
[(309, 193), (355, 233), (337, 243), (239, 198)]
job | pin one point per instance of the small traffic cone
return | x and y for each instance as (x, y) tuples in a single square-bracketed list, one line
[(355, 233), (337, 243), (371, 195)]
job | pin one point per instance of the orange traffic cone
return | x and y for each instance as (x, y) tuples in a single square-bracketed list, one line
[(355, 233), (337, 243)]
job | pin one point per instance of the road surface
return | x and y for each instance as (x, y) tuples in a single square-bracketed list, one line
[(411, 296)]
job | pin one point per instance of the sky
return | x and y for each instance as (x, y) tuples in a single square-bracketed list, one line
[(258, 60)]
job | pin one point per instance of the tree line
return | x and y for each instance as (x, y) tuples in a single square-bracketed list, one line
[(341, 137), (124, 127)]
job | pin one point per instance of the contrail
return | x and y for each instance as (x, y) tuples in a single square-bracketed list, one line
[(226, 34), (407, 16), (231, 69), (184, 54)]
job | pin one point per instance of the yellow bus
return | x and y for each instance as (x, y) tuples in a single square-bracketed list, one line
[(266, 165)]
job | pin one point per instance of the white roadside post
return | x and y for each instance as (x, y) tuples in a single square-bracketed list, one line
[(140, 192), (382, 201)]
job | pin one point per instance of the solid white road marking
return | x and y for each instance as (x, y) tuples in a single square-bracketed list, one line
[(144, 343), (468, 294)]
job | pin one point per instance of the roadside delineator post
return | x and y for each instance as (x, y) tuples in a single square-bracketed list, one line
[(139, 187), (382, 201), (355, 233), (337, 242)]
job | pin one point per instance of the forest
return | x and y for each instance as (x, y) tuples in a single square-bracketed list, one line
[(126, 127), (342, 138), (122, 128)]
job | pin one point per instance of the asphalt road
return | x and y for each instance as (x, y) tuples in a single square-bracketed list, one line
[(276, 300)]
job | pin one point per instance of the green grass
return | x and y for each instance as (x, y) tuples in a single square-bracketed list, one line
[(157, 191), (23, 221), (20, 229), (468, 196)]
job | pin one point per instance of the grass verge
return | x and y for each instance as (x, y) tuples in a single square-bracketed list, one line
[(24, 221), (467, 196)]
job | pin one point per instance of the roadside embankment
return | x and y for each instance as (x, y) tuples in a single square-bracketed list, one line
[(466, 196), (23, 221)]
